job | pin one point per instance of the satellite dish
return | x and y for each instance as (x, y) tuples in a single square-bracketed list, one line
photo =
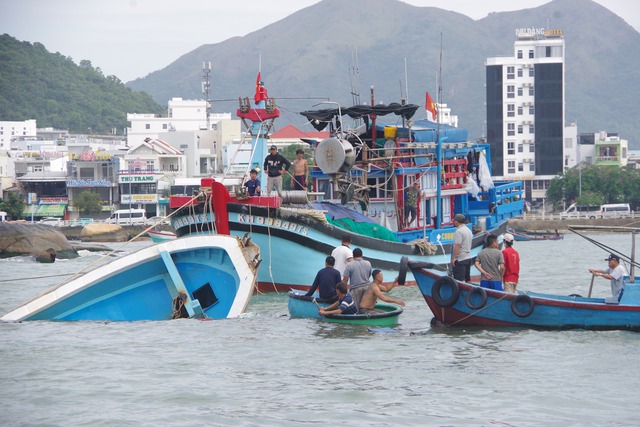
[(389, 148), (347, 194)]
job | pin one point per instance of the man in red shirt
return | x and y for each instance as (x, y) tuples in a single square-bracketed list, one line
[(511, 265)]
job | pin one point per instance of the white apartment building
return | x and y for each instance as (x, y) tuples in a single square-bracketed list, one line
[(525, 106), (13, 130)]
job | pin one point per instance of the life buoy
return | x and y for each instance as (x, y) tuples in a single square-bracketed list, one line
[(404, 266), (471, 295), (445, 282), (520, 301)]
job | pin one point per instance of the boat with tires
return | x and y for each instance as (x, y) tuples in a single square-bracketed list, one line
[(456, 303), (306, 307), (196, 277)]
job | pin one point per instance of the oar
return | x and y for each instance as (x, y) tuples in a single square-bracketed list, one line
[(593, 276), (317, 305)]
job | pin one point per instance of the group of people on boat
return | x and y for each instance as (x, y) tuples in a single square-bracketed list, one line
[(276, 165), (344, 283)]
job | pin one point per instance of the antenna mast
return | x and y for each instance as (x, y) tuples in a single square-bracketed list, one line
[(206, 90)]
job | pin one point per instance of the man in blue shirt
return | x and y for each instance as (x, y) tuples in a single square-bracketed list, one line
[(326, 281), (253, 184), (345, 303)]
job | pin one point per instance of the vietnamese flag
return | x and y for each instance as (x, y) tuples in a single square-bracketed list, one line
[(431, 107), (261, 91)]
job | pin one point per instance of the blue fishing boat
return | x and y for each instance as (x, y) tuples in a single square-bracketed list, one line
[(456, 303), (360, 184), (306, 307), (195, 277)]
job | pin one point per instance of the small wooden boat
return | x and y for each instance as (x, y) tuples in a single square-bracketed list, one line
[(195, 277), (159, 236), (302, 306), (525, 237)]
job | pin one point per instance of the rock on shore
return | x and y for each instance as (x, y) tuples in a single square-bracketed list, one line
[(102, 232), (18, 238)]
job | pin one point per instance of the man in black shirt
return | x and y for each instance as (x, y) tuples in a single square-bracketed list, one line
[(273, 164), (326, 280)]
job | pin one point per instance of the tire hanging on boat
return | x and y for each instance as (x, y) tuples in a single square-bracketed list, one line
[(521, 300), (470, 295), (404, 266), (445, 282)]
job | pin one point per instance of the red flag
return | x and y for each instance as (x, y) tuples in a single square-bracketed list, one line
[(431, 107), (261, 91)]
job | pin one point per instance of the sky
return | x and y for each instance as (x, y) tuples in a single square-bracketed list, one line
[(132, 38)]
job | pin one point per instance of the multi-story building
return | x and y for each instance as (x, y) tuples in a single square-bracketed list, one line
[(525, 110), (12, 130)]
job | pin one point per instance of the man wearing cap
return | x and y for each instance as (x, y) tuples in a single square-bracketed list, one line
[(511, 265), (615, 272), (461, 255), (273, 164)]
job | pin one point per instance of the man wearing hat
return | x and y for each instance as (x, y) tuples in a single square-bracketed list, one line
[(511, 264), (461, 255), (273, 164), (615, 272)]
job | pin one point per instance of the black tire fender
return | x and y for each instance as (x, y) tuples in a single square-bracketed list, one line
[(521, 300), (404, 266), (446, 282), (470, 295)]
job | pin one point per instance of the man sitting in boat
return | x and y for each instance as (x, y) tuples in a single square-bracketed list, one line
[(615, 272), (490, 263), (345, 304), (326, 281), (376, 290)]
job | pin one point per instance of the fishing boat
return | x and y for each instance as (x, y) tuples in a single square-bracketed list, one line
[(360, 184), (194, 277), (526, 237), (159, 236), (302, 306), (456, 303)]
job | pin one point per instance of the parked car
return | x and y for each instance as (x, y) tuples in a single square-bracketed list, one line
[(80, 222), (52, 221)]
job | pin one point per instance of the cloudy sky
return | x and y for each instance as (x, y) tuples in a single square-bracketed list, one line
[(132, 38)]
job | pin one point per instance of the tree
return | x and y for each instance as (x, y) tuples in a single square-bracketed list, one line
[(88, 202), (14, 206)]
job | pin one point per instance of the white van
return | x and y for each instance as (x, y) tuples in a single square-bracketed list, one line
[(616, 210), (128, 217), (582, 211), (3, 216)]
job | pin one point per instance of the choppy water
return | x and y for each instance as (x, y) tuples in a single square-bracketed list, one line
[(266, 369)]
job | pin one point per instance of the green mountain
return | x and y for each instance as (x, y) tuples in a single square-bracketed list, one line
[(48, 87), (309, 56)]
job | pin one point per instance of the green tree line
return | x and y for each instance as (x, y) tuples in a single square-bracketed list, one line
[(592, 184), (51, 88)]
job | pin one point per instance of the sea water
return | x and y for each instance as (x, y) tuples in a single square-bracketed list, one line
[(268, 370)]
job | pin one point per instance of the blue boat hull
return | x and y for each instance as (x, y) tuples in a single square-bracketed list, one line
[(205, 276), (457, 303)]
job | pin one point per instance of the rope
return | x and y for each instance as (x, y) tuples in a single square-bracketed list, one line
[(478, 311)]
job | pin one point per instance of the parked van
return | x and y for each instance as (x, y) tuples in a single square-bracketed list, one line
[(616, 210), (3, 216), (582, 211), (128, 217)]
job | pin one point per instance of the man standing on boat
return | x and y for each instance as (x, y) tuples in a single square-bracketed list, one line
[(376, 290), (357, 274), (511, 265), (411, 203), (490, 263), (273, 164), (461, 255), (615, 272), (300, 171), (253, 184), (326, 281), (343, 254)]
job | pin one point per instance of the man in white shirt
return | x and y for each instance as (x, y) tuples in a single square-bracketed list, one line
[(461, 255), (342, 254)]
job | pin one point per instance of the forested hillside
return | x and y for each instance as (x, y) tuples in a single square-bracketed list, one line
[(51, 88)]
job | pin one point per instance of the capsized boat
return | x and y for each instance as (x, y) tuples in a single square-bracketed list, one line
[(456, 303), (302, 306), (361, 182), (209, 276), (159, 236)]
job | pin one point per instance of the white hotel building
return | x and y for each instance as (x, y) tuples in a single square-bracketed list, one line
[(525, 96)]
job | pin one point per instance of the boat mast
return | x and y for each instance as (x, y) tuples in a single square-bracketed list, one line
[(439, 153)]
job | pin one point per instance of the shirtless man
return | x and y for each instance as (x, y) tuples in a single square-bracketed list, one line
[(300, 171), (376, 290)]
